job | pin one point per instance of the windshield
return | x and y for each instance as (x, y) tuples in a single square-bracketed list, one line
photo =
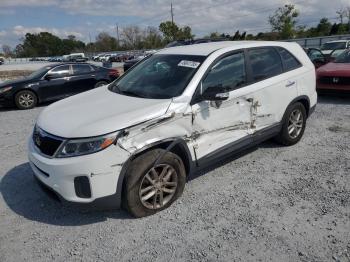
[(333, 45), (39, 73), (344, 57), (159, 76)]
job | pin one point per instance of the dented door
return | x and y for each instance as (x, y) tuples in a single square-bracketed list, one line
[(216, 124)]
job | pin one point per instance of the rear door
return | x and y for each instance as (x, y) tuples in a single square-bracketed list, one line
[(83, 79), (55, 87), (274, 85)]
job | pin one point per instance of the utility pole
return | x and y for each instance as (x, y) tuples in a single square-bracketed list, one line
[(117, 32), (172, 20)]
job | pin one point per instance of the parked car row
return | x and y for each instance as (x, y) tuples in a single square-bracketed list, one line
[(54, 82), (112, 57)]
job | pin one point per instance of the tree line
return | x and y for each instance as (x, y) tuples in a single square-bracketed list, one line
[(283, 22)]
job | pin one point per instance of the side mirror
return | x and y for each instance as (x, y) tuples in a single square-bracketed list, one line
[(215, 93), (48, 77)]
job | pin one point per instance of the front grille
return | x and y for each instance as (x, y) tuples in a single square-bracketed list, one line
[(334, 80), (46, 143)]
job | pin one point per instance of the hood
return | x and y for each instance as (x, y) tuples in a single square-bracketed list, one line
[(14, 82), (334, 69), (98, 112)]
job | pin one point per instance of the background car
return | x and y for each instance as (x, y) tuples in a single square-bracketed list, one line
[(53, 83), (334, 48), (129, 63), (2, 60), (335, 76), (316, 56)]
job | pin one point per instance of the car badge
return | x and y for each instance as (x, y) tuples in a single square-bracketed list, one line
[(335, 80)]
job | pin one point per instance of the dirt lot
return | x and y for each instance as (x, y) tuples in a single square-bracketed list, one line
[(269, 204)]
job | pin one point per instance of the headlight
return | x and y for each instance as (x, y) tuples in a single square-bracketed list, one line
[(5, 89), (78, 147)]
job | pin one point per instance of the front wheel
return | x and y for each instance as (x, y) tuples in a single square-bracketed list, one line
[(152, 185), (293, 125), (26, 99)]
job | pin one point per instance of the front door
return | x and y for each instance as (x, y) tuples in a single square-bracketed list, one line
[(54, 86), (217, 125)]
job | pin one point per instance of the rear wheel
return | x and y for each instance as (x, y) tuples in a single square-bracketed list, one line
[(26, 99), (293, 125), (100, 83), (152, 187)]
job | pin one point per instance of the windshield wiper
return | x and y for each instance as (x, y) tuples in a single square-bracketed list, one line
[(130, 93)]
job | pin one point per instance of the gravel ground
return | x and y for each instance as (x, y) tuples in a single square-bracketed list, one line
[(270, 203)]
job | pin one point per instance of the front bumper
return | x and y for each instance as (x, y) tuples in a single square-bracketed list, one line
[(102, 170), (6, 100), (332, 87)]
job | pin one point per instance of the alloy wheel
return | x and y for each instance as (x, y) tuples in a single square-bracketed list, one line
[(26, 100), (158, 186), (295, 123)]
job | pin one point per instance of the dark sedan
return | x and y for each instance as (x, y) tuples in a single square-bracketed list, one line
[(54, 82)]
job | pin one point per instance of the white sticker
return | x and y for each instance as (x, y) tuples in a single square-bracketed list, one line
[(191, 64)]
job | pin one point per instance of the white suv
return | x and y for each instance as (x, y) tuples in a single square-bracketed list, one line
[(136, 140)]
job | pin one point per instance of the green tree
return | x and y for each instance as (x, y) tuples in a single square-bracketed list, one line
[(283, 21), (172, 32), (105, 42), (152, 38), (324, 27)]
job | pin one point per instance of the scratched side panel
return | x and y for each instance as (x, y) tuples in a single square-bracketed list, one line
[(217, 124)]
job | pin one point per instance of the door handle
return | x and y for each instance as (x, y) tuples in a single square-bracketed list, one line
[(290, 83)]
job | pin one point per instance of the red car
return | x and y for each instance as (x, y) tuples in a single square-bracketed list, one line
[(335, 75)]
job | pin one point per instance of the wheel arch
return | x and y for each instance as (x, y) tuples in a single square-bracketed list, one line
[(304, 100), (26, 89), (177, 146)]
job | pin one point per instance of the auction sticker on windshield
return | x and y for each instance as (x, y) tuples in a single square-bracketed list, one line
[(191, 64)]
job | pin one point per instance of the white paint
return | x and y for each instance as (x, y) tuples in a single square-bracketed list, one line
[(205, 126)]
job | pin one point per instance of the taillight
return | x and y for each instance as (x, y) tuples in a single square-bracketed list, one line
[(113, 72)]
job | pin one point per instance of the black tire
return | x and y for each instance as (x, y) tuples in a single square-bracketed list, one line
[(100, 83), (26, 99), (136, 179), (285, 137)]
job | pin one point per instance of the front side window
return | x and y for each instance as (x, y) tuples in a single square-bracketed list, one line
[(265, 63), (158, 76), (229, 73), (60, 71), (289, 61)]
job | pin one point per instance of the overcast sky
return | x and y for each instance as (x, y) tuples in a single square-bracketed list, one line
[(86, 18)]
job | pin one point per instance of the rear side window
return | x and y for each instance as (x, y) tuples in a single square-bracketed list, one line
[(265, 63), (81, 69), (289, 61)]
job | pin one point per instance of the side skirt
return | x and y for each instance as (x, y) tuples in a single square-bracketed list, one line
[(239, 145)]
